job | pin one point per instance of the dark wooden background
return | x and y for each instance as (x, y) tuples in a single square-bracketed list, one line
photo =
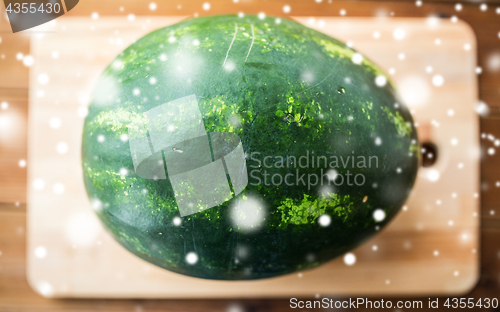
[(15, 293)]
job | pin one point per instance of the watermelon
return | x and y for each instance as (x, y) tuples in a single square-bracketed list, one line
[(244, 147)]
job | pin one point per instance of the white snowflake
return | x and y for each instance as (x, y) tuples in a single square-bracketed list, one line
[(55, 122), (43, 79), (482, 109), (433, 175), (177, 221), (437, 80), (399, 33), (62, 148), (357, 58), (58, 188), (191, 258), (379, 215), (28, 61), (380, 80), (40, 252), (324, 220), (38, 184), (349, 259)]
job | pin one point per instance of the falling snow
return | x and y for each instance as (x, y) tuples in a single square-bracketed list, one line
[(324, 220), (45, 289), (248, 214), (177, 221), (40, 252), (38, 184), (437, 80), (28, 61), (191, 258), (482, 109), (433, 175), (349, 259), (43, 79), (399, 34), (62, 148), (55, 123), (380, 80), (379, 215), (357, 58), (58, 188), (83, 228)]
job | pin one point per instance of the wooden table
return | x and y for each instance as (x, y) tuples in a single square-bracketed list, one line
[(15, 294)]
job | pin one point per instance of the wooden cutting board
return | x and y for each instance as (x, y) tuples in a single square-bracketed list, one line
[(431, 247)]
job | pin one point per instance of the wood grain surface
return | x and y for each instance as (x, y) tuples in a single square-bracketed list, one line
[(15, 294)]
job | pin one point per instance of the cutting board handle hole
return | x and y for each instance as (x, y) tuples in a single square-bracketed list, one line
[(429, 152)]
